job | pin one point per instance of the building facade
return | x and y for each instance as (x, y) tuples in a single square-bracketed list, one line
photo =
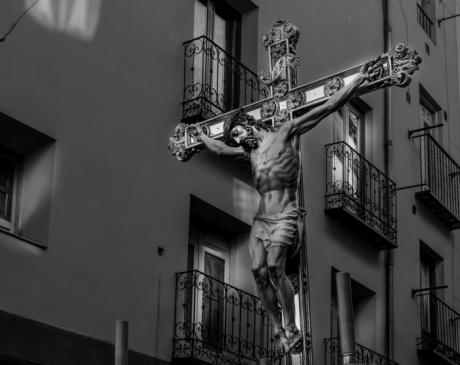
[(98, 222)]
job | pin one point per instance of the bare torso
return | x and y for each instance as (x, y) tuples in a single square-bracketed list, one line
[(275, 168)]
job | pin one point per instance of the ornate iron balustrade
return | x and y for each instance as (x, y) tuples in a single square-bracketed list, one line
[(424, 20), (363, 355), (440, 181), (217, 323), (440, 328), (215, 82), (357, 188)]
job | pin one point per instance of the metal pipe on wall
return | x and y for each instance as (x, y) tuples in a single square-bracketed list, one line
[(345, 314), (121, 343), (387, 145)]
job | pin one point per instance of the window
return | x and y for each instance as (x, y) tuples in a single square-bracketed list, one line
[(430, 114), (211, 257), (430, 272), (8, 189), (221, 24), (215, 244), (353, 127), (349, 127), (26, 172), (426, 15), (218, 76)]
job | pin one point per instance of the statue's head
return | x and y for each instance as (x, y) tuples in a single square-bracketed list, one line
[(240, 131)]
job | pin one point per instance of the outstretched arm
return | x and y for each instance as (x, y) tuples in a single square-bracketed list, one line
[(219, 148), (310, 119)]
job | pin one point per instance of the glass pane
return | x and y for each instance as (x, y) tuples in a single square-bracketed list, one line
[(219, 69), (213, 301), (4, 205), (220, 31), (200, 20), (429, 7), (426, 116), (214, 266), (6, 173), (353, 133)]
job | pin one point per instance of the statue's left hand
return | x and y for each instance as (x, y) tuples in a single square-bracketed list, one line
[(371, 69)]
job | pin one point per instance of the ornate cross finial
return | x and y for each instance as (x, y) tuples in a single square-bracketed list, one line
[(281, 43), (405, 62), (281, 30)]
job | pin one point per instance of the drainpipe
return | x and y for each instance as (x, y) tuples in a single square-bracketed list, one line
[(387, 147)]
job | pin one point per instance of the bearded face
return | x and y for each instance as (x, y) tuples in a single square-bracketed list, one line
[(244, 136)]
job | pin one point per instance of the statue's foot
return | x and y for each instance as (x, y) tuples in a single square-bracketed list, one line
[(280, 339), (294, 343)]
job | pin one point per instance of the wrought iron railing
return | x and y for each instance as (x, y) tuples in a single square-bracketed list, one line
[(424, 20), (363, 355), (215, 82), (440, 174), (356, 185), (217, 323), (440, 327)]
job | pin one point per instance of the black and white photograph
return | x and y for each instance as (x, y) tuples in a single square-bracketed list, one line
[(229, 182)]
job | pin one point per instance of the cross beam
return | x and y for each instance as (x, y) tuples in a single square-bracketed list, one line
[(287, 100)]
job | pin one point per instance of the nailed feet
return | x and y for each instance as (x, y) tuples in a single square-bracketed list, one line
[(289, 342)]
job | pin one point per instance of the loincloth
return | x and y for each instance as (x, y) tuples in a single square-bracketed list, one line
[(282, 229)]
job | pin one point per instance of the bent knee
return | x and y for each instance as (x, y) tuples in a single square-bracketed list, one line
[(275, 271), (260, 273)]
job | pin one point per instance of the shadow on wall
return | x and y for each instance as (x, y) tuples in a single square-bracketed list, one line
[(76, 18), (245, 201)]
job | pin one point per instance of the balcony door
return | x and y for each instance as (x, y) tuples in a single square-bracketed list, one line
[(213, 65), (211, 247), (347, 163), (215, 266), (428, 281)]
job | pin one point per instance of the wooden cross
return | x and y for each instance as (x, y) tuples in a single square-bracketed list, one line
[(287, 100)]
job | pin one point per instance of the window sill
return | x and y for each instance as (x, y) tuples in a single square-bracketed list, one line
[(16, 236)]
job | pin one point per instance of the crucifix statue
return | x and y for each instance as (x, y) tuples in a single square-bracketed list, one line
[(268, 134)]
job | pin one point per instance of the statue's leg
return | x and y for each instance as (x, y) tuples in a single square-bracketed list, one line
[(264, 286), (276, 260)]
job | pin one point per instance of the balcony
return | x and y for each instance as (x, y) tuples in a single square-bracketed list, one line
[(440, 330), (363, 355), (425, 22), (360, 195), (216, 323), (440, 181), (215, 82)]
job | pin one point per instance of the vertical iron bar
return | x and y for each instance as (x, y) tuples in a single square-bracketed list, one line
[(254, 325), (205, 70), (225, 315), (239, 325)]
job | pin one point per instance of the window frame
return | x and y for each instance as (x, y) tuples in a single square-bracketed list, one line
[(428, 102), (230, 88), (430, 14), (9, 222), (229, 14)]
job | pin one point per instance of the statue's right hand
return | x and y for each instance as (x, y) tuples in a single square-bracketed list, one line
[(199, 129)]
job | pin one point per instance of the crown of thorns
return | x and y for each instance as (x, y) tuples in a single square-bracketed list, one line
[(240, 118)]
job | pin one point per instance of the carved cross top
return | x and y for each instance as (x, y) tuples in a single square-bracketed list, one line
[(288, 100)]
